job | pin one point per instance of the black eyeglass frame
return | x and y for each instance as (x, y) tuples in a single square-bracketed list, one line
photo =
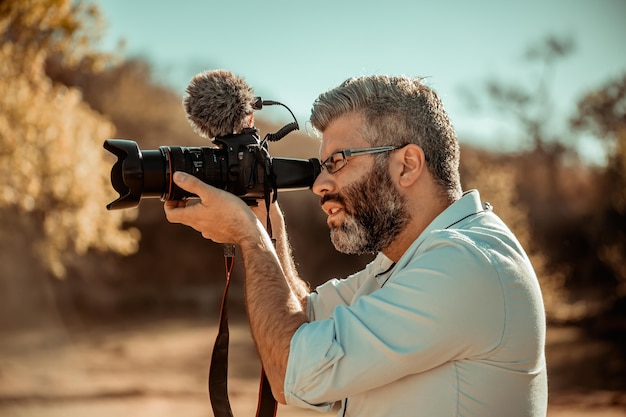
[(346, 153)]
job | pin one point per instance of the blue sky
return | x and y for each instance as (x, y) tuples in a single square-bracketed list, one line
[(291, 51)]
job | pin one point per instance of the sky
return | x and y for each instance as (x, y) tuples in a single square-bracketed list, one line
[(291, 51)]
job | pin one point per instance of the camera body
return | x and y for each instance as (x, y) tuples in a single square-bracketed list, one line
[(240, 164)]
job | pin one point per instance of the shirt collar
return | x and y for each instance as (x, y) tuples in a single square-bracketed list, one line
[(466, 206)]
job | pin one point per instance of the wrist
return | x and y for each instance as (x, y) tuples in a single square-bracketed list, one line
[(255, 237)]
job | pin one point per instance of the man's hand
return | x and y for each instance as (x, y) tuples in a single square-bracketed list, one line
[(218, 215)]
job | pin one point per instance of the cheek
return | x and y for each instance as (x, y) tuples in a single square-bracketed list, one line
[(357, 197)]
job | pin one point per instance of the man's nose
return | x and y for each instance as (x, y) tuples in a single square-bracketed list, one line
[(323, 184)]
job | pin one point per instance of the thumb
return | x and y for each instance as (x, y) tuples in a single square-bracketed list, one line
[(190, 183)]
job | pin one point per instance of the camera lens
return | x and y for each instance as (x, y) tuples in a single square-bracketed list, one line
[(207, 164)]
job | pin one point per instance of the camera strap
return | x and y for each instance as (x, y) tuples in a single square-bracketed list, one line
[(218, 371)]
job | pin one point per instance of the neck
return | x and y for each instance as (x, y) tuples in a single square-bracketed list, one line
[(421, 217)]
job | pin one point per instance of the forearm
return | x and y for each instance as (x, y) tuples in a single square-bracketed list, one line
[(283, 249), (274, 310)]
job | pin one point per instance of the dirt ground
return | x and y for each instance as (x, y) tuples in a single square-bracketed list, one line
[(159, 368)]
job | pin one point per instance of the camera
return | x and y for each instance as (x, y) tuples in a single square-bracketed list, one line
[(240, 164)]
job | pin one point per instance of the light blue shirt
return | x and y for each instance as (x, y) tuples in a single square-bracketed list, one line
[(455, 328)]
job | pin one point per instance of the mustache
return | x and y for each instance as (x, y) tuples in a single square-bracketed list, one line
[(332, 197)]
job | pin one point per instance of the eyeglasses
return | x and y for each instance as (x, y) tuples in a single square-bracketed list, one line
[(337, 160)]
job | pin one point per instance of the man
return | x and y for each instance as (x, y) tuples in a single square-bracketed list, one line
[(447, 320)]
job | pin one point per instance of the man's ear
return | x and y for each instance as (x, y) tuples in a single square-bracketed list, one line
[(411, 163)]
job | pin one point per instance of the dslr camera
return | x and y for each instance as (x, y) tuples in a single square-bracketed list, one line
[(240, 164)]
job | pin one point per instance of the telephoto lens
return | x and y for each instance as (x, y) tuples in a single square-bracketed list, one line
[(239, 165)]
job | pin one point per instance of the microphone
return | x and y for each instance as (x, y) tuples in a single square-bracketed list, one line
[(219, 103)]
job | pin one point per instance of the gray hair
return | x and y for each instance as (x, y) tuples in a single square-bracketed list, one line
[(396, 111)]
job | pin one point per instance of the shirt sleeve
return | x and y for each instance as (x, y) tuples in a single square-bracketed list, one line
[(322, 302), (446, 303)]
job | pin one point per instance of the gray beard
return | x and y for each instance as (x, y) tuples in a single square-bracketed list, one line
[(375, 214)]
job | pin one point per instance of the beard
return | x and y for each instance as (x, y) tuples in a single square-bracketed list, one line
[(375, 214)]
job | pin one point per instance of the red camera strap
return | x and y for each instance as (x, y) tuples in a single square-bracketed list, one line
[(218, 371)]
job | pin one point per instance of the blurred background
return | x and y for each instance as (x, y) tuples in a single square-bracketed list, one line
[(115, 311)]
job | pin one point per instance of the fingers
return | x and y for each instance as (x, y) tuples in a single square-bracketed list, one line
[(217, 214), (171, 204), (174, 209)]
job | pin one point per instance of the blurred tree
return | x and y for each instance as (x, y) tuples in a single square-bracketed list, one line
[(532, 107), (603, 113), (53, 174)]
